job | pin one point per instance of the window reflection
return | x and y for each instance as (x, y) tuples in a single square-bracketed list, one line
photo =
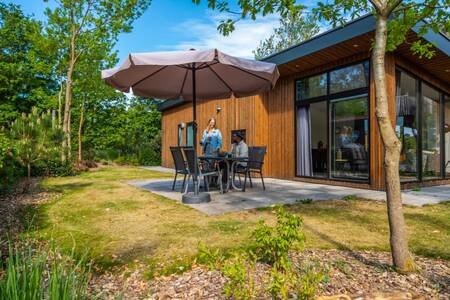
[(350, 138), (311, 87), (406, 128), (348, 78), (431, 154)]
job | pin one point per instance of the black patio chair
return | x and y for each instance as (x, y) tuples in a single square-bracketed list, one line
[(254, 165), (203, 173), (180, 165)]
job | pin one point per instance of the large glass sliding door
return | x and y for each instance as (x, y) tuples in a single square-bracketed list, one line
[(407, 122), (332, 124), (421, 129), (431, 144), (350, 138)]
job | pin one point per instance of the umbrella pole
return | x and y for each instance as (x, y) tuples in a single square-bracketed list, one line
[(196, 197)]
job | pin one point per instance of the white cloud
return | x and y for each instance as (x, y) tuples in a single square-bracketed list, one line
[(241, 42)]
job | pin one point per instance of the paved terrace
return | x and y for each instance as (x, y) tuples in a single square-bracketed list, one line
[(283, 192)]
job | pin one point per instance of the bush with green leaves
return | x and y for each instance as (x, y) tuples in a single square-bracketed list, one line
[(212, 258), (31, 273), (238, 270), (272, 244), (10, 171), (35, 137)]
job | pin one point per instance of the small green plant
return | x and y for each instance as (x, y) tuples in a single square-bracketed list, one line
[(41, 273), (272, 245), (350, 198), (212, 258), (416, 189), (238, 270), (304, 201), (279, 283), (308, 276)]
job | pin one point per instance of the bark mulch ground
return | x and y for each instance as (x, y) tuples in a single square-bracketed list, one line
[(356, 274)]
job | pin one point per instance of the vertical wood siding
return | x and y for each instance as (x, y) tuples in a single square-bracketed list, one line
[(269, 120)]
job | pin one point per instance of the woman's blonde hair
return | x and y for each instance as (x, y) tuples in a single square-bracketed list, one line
[(209, 121)]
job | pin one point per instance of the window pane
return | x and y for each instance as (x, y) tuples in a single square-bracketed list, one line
[(311, 87), (349, 78), (180, 135), (312, 140), (350, 138), (431, 154), (447, 136), (407, 116)]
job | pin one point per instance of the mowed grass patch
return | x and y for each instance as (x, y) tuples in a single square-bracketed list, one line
[(98, 213)]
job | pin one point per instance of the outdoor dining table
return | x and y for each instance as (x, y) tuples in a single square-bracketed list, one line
[(230, 162)]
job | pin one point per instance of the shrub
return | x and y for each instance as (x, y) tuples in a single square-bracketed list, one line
[(42, 274), (240, 284), (273, 244), (10, 170), (307, 280), (212, 258), (54, 168)]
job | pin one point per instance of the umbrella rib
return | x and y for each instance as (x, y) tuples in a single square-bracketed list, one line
[(221, 79), (182, 85), (148, 76)]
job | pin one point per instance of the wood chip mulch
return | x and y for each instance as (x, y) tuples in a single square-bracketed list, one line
[(357, 274)]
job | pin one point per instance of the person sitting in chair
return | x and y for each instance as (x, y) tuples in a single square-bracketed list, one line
[(239, 148)]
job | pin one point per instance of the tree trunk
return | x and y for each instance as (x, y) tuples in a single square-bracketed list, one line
[(398, 237), (80, 132), (29, 172), (67, 104), (60, 104)]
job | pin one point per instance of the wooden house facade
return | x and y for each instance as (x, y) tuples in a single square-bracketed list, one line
[(319, 122)]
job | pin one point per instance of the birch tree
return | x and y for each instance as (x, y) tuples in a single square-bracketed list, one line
[(80, 25), (394, 19)]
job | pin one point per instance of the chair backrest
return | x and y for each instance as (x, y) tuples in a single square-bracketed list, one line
[(178, 158), (189, 153), (256, 157)]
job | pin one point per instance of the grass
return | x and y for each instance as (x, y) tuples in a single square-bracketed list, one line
[(120, 224)]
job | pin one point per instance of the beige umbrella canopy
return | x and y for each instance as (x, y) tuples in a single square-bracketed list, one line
[(192, 75), (169, 75)]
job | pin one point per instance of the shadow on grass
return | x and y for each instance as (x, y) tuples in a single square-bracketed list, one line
[(352, 253), (68, 187)]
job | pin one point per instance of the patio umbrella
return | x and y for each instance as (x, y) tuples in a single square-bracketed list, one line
[(191, 75)]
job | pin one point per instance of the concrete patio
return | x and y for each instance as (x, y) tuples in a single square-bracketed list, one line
[(284, 192)]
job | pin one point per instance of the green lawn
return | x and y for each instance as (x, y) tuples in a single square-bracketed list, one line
[(98, 214)]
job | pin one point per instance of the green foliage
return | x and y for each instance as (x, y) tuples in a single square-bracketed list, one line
[(41, 273), (293, 29), (238, 270), (26, 64), (350, 197), (35, 138), (53, 168), (272, 245), (305, 201), (306, 281), (212, 258)]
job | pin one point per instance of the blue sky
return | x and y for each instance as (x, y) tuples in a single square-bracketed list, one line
[(179, 25)]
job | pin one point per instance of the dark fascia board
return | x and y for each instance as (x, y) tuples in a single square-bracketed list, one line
[(348, 31), (170, 104), (324, 40)]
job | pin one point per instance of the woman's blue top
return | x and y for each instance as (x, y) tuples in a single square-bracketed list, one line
[(211, 141)]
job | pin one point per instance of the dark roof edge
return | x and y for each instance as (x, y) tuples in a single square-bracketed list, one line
[(170, 104), (324, 40)]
